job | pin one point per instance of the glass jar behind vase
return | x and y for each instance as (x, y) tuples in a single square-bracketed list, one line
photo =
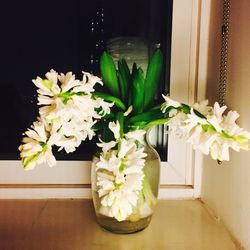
[(142, 210), (132, 49)]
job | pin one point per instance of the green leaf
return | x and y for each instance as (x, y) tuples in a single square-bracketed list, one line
[(153, 78), (199, 114), (107, 135), (147, 117), (108, 72), (123, 86), (126, 69), (109, 116), (120, 119), (134, 70), (138, 91), (130, 89), (111, 98), (124, 78), (156, 107), (138, 125), (184, 108), (157, 122), (169, 109)]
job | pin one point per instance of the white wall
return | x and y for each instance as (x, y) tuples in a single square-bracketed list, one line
[(226, 187)]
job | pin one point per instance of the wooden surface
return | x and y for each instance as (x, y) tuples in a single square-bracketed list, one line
[(70, 225)]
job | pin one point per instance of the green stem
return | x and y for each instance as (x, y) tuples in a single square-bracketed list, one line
[(111, 98)]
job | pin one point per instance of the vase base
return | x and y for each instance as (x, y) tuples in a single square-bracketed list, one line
[(123, 227)]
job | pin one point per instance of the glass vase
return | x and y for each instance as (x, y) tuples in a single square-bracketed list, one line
[(143, 210)]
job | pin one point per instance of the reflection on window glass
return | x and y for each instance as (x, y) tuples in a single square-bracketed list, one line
[(37, 36)]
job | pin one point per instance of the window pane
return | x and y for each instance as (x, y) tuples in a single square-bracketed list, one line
[(37, 36)]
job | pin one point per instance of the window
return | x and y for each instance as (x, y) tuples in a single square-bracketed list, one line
[(190, 28), (70, 36)]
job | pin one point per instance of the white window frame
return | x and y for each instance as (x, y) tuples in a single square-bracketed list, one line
[(71, 179)]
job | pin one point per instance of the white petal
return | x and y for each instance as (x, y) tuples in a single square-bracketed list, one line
[(50, 158), (203, 107), (213, 120), (106, 146), (115, 128), (52, 76), (170, 102), (128, 111), (68, 81), (136, 135), (218, 111)]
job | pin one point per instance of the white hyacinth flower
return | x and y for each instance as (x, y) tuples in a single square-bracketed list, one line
[(70, 92), (105, 106), (36, 147), (216, 115), (120, 174), (72, 110), (106, 146), (68, 81), (47, 86), (115, 128), (137, 135), (220, 150), (207, 129), (218, 111), (125, 147), (68, 112), (87, 84), (193, 121), (201, 140), (169, 103), (203, 107)]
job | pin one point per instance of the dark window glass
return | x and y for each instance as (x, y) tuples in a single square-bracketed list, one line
[(37, 36)]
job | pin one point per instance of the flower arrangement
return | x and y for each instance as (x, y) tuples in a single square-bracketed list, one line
[(122, 107)]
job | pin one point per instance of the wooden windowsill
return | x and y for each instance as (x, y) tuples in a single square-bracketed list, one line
[(70, 225)]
